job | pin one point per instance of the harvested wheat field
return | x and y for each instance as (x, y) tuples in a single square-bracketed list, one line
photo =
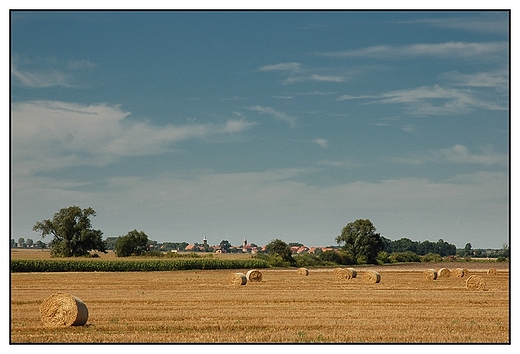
[(284, 307)]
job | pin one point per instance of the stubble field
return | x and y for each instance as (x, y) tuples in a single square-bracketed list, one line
[(201, 307)]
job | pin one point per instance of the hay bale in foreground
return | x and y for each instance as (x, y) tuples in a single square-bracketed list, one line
[(63, 310), (371, 276), (303, 271), (475, 282), (254, 275), (457, 273), (466, 272), (237, 279), (443, 273), (430, 274), (491, 271)]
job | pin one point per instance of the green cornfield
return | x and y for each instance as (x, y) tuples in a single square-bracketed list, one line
[(73, 265)]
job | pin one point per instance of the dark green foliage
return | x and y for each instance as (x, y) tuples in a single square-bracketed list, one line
[(132, 265), (361, 241), (72, 232), (337, 257), (408, 256), (134, 243), (282, 249)]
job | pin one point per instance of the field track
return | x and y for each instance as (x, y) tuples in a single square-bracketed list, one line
[(201, 307)]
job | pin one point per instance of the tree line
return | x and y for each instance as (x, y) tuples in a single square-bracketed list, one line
[(358, 243)]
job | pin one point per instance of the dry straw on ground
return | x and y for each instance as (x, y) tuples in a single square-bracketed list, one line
[(303, 271), (491, 271), (430, 274), (371, 276), (443, 273), (475, 282), (63, 310), (237, 279), (457, 273), (254, 275)]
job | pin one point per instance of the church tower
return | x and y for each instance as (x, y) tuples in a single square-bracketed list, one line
[(204, 240)]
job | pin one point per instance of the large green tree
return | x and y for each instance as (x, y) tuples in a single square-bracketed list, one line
[(361, 241), (72, 232), (133, 243), (282, 249)]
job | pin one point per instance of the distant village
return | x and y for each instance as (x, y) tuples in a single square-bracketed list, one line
[(204, 246), (225, 247)]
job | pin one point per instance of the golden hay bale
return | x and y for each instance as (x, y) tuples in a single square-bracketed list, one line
[(63, 310), (237, 279), (254, 275), (466, 271), (371, 276), (344, 273), (430, 274), (353, 272), (491, 271), (303, 271), (457, 273), (475, 282), (443, 273)]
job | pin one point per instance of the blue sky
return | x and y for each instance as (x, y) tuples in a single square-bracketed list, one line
[(263, 125)]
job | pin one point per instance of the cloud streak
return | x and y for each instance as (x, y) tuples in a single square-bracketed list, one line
[(53, 134), (451, 50), (278, 115), (457, 154), (434, 100)]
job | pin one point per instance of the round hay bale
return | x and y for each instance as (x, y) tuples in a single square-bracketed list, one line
[(254, 275), (303, 271), (63, 310), (457, 273), (353, 272), (475, 282), (466, 271), (491, 271), (342, 273), (430, 274), (337, 271), (371, 276), (237, 279), (443, 273)]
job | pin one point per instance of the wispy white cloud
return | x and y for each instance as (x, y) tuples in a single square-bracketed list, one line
[(457, 154), (485, 24), (435, 100), (48, 135), (293, 67), (46, 73), (296, 73), (458, 50), (278, 115), (321, 142)]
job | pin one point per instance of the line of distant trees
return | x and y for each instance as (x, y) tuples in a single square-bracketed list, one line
[(359, 243)]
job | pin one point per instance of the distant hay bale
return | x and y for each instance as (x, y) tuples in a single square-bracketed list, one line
[(443, 273), (63, 310), (237, 279), (457, 273), (475, 282), (303, 271), (353, 272), (371, 276), (342, 273), (430, 274), (254, 275), (491, 271), (466, 272)]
